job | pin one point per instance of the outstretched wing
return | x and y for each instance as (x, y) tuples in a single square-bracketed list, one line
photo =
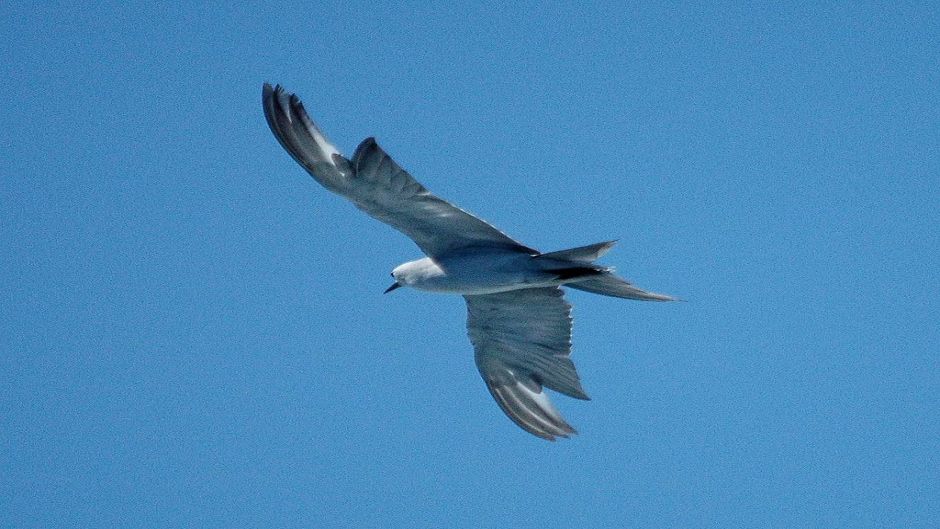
[(376, 184), (522, 342)]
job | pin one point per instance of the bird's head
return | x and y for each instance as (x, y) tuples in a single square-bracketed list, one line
[(403, 275), (416, 274)]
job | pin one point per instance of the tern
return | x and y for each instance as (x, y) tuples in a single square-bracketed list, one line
[(517, 318)]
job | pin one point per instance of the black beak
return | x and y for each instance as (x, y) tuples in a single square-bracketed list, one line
[(395, 285)]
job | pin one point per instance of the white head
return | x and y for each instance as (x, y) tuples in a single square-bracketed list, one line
[(414, 273)]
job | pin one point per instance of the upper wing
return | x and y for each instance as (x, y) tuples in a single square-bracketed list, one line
[(376, 184), (522, 341)]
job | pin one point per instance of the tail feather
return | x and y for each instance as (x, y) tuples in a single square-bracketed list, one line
[(609, 284), (584, 254), (575, 264), (575, 272)]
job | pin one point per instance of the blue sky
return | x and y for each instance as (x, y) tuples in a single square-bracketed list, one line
[(193, 333)]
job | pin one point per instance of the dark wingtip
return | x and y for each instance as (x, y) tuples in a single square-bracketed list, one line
[(269, 91), (366, 143), (266, 93), (364, 147)]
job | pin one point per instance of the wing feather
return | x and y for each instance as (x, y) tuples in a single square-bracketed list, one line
[(376, 184), (522, 342), (302, 139)]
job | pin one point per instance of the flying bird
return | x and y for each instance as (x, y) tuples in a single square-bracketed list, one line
[(517, 318)]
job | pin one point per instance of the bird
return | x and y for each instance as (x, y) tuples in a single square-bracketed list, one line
[(518, 320)]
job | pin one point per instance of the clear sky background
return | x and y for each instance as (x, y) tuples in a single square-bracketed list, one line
[(193, 333)]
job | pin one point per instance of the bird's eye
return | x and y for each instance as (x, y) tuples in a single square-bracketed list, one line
[(392, 274)]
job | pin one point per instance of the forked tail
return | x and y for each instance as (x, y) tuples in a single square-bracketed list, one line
[(594, 278)]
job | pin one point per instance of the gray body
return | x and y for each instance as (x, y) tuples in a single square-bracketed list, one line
[(488, 271)]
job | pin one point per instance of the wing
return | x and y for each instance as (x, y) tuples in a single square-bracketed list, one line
[(376, 184), (522, 342)]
